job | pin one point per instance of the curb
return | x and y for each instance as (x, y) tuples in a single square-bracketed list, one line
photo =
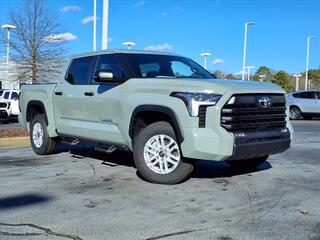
[(14, 142)]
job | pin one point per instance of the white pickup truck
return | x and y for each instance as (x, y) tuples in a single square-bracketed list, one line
[(9, 105)]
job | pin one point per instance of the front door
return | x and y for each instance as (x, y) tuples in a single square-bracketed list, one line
[(103, 103)]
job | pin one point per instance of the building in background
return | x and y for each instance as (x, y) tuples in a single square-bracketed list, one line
[(8, 74)]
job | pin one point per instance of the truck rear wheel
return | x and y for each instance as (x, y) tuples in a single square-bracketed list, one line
[(157, 155), (41, 143), (251, 163)]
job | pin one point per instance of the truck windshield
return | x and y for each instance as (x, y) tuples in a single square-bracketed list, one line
[(165, 66), (6, 95)]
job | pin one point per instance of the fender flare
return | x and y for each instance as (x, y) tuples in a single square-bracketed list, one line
[(161, 109)]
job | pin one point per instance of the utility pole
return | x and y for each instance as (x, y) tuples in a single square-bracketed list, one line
[(94, 25), (307, 62), (205, 55)]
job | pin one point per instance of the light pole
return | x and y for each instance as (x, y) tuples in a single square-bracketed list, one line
[(129, 44), (94, 25), (245, 47), (105, 13), (205, 55), (297, 76), (307, 61), (249, 71), (8, 28)]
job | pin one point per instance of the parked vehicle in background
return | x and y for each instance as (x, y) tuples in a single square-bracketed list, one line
[(165, 108), (1, 93), (304, 104), (9, 106)]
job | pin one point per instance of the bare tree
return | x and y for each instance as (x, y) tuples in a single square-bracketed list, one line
[(36, 42)]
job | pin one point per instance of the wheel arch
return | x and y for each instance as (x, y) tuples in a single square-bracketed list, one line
[(35, 107), (156, 109)]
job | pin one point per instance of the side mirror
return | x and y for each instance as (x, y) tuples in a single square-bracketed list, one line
[(104, 76)]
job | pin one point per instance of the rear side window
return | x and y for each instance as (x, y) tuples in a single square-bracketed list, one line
[(80, 71), (307, 95), (318, 95)]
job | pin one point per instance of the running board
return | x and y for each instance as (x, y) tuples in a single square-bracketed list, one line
[(70, 141), (105, 148)]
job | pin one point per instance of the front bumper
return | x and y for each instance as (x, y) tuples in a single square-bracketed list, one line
[(259, 144), (4, 115)]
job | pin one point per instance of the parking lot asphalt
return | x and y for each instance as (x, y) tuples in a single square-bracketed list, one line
[(87, 195)]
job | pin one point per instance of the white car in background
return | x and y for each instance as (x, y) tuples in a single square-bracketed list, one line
[(9, 105), (304, 104)]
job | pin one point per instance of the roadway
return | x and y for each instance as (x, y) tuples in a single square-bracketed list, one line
[(82, 194)]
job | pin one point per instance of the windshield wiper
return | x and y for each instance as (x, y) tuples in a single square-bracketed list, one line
[(165, 76)]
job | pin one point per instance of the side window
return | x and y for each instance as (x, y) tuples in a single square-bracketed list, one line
[(14, 96), (80, 70), (318, 95), (109, 62), (307, 95), (6, 95), (149, 70), (296, 95)]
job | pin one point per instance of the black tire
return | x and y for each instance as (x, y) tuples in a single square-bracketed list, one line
[(183, 168), (251, 163), (48, 145), (295, 113)]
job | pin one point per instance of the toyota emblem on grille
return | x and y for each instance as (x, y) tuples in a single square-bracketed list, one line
[(264, 102)]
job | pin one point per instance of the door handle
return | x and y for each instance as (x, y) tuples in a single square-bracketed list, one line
[(58, 93), (89, 94)]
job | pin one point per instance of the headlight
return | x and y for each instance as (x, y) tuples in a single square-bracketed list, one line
[(194, 100)]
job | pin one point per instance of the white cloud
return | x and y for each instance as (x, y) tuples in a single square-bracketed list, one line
[(218, 61), (61, 37), (110, 39), (70, 8), (163, 14), (139, 3), (88, 19), (237, 73), (159, 47)]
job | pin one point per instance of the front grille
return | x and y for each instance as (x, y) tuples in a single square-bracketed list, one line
[(244, 113), (3, 105)]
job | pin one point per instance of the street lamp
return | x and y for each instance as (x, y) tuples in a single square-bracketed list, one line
[(129, 44), (245, 47), (297, 76), (8, 28), (205, 55), (249, 71), (307, 62)]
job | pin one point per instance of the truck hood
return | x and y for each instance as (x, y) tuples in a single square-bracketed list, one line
[(213, 85)]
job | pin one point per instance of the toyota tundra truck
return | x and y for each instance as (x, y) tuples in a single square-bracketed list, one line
[(165, 108)]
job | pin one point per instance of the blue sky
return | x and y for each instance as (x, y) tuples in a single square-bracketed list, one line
[(189, 27)]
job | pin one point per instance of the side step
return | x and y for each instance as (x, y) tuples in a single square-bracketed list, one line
[(71, 141), (105, 148)]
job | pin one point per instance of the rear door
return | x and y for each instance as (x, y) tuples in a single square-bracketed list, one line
[(15, 103), (307, 100), (317, 103), (69, 97)]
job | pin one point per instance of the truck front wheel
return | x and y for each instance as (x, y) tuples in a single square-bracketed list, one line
[(157, 155), (251, 163), (41, 143)]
